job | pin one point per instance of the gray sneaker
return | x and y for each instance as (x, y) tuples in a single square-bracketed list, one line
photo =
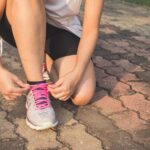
[(40, 113)]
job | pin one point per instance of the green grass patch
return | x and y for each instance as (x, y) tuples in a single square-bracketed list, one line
[(140, 2)]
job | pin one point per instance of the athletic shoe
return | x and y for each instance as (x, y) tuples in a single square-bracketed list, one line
[(46, 76), (40, 113)]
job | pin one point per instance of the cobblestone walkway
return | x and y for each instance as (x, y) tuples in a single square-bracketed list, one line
[(119, 116)]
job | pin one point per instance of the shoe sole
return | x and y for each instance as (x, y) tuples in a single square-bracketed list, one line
[(45, 126)]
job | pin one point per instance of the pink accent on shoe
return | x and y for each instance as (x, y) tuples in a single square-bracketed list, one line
[(40, 94)]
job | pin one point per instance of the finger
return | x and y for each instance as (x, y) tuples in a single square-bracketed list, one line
[(10, 97), (57, 84), (65, 98), (6, 97), (13, 97), (59, 96), (50, 83), (16, 94), (20, 83), (19, 90), (56, 90)]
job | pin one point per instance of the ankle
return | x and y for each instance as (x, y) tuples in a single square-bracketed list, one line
[(35, 82)]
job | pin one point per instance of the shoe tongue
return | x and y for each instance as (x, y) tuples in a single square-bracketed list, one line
[(40, 92), (39, 88)]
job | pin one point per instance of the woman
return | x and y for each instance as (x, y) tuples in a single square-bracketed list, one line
[(67, 55)]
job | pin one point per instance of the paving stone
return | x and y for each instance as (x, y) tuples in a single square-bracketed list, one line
[(145, 66), (106, 45), (16, 110), (106, 54), (128, 66), (138, 103), (70, 107), (117, 88), (100, 126), (141, 87), (13, 144), (109, 105), (99, 95), (100, 62), (139, 44), (100, 73), (143, 136), (6, 127), (145, 75), (121, 89), (71, 122), (120, 43), (121, 141), (140, 58), (128, 56), (64, 148), (128, 77), (46, 138), (142, 39), (77, 137), (108, 30), (135, 50), (128, 121), (117, 50), (108, 82), (146, 55), (63, 115), (136, 59), (116, 71), (8, 105)]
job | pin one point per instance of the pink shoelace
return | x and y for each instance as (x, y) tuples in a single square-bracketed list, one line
[(40, 93)]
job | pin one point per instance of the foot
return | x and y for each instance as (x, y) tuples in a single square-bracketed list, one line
[(40, 113)]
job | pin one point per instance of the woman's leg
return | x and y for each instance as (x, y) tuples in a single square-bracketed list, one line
[(27, 19), (51, 69), (86, 87)]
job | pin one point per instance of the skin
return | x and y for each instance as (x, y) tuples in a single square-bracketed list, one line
[(30, 44), (29, 33), (76, 76), (11, 86), (73, 75)]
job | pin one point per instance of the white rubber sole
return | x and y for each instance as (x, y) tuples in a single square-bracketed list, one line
[(43, 127)]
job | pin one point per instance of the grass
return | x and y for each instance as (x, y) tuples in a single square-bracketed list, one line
[(140, 2)]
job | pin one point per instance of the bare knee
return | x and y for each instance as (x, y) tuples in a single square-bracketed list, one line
[(81, 100)]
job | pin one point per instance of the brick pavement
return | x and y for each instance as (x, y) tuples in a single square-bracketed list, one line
[(118, 117)]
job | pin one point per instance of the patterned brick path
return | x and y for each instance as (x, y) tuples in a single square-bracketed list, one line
[(119, 116)]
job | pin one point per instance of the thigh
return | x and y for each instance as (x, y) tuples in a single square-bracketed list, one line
[(61, 42), (86, 87), (63, 50)]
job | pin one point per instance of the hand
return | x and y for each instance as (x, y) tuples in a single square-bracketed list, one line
[(64, 87), (10, 85)]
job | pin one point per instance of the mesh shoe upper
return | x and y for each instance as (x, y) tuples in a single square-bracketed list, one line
[(39, 109)]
